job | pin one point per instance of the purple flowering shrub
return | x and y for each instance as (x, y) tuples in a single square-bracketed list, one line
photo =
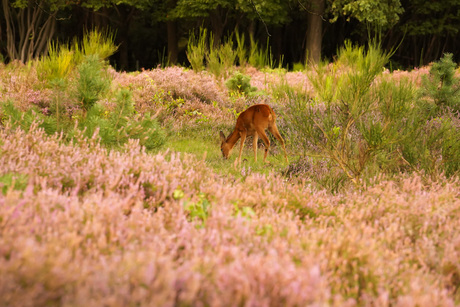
[(89, 226)]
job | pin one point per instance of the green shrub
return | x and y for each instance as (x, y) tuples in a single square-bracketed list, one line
[(241, 49), (96, 42), (25, 119), (436, 148), (240, 83), (220, 58), (354, 121), (13, 181), (62, 59), (129, 125), (364, 125), (92, 81), (258, 57), (122, 124), (441, 89), (196, 50), (227, 55), (57, 65), (212, 56)]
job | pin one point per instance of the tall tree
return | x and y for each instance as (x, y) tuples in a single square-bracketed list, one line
[(29, 26), (314, 35)]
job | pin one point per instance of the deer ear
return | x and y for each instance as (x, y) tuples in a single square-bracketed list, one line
[(222, 137)]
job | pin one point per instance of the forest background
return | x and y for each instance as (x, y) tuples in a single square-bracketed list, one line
[(155, 32)]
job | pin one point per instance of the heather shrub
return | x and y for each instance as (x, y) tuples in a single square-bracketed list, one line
[(93, 81), (282, 90), (174, 83), (164, 229), (318, 172)]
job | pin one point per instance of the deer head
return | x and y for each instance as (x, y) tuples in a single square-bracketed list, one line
[(225, 147)]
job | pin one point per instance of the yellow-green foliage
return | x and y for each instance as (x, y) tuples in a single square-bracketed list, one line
[(64, 58), (96, 43), (58, 64)]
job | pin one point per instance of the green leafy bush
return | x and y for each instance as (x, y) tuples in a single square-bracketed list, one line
[(240, 83), (436, 148), (96, 42), (196, 50), (58, 64), (25, 119), (364, 123), (92, 81), (122, 123), (64, 58), (354, 121), (259, 57), (13, 181), (441, 89)]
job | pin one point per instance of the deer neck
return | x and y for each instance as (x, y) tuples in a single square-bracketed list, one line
[(233, 138)]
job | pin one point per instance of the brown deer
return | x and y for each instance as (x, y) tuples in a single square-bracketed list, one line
[(254, 121)]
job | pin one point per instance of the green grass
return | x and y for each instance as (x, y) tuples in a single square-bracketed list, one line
[(201, 145)]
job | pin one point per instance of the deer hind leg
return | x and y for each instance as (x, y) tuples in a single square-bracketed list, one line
[(274, 130), (264, 137), (254, 145), (243, 138)]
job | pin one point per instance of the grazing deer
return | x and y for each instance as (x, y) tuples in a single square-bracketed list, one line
[(254, 121)]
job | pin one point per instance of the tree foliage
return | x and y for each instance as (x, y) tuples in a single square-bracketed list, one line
[(298, 29), (383, 14), (434, 17)]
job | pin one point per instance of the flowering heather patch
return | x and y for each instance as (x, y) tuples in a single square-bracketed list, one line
[(175, 82), (85, 226), (415, 75), (19, 83)]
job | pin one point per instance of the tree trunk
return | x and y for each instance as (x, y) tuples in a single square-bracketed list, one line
[(125, 14), (314, 31), (218, 22), (28, 30), (173, 50)]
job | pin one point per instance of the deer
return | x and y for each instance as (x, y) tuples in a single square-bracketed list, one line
[(253, 121)]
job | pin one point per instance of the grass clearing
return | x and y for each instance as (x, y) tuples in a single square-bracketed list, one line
[(203, 146)]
